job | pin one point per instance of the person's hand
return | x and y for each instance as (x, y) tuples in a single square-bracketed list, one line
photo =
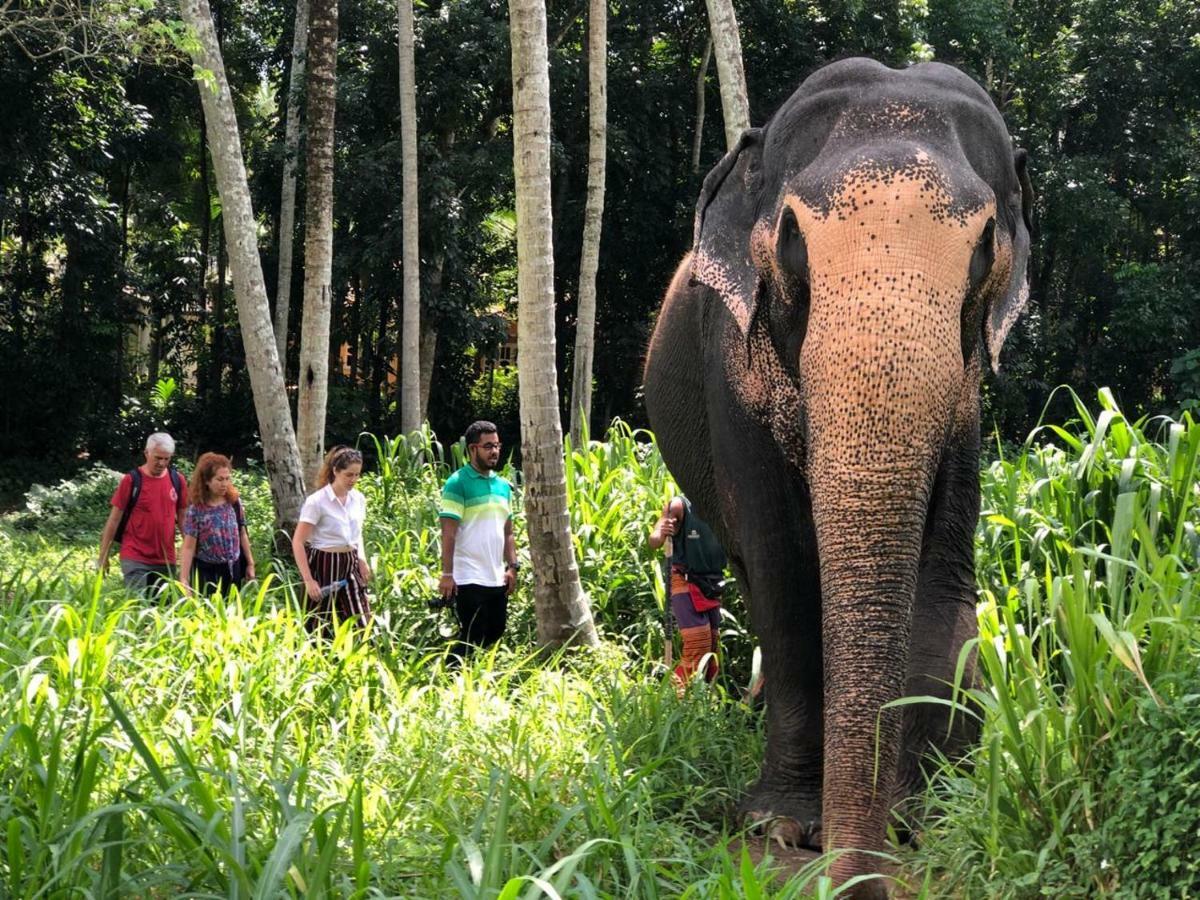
[(250, 570), (446, 586), (102, 566), (668, 526), (312, 589), (364, 570), (510, 581)]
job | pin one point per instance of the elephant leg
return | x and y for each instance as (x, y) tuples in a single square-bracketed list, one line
[(777, 564), (943, 621)]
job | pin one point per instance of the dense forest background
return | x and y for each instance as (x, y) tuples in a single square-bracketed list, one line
[(113, 272)]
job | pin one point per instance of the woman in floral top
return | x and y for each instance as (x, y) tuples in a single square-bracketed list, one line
[(215, 542)]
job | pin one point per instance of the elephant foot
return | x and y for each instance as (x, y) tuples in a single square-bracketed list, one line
[(791, 818)]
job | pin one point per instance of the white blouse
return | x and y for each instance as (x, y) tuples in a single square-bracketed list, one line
[(334, 524)]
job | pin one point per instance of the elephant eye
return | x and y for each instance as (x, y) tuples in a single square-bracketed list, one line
[(791, 249), (983, 256)]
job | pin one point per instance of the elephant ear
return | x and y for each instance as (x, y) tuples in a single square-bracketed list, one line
[(1008, 308), (725, 218)]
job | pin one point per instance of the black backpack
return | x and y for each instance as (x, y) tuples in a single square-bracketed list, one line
[(136, 475)]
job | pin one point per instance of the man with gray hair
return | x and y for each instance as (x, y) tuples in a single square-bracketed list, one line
[(147, 512)]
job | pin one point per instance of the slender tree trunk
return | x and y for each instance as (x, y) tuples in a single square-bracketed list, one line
[(354, 356), (429, 335), (410, 342), (701, 77), (217, 377), (337, 329), (205, 211), (728, 46), (379, 365), (287, 203), (429, 332), (589, 260), (318, 235), (561, 607), (266, 380), (126, 203), (204, 204)]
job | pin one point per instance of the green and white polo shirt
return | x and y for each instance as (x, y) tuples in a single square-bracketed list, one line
[(482, 504)]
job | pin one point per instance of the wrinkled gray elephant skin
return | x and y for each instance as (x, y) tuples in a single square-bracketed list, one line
[(813, 380)]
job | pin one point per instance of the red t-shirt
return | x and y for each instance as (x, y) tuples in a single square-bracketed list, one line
[(150, 531)]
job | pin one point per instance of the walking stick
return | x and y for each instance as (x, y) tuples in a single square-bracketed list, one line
[(668, 618)]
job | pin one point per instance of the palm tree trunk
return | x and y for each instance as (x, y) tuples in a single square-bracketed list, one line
[(589, 261), (287, 203), (266, 380), (561, 607), (410, 350), (701, 77), (728, 46), (429, 330), (318, 235)]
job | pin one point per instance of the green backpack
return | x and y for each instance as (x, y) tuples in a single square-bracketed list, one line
[(697, 549)]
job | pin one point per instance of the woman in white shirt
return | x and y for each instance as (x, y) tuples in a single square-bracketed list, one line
[(328, 543)]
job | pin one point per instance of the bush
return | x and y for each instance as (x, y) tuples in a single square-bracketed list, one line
[(1087, 557), (1150, 835), (73, 509)]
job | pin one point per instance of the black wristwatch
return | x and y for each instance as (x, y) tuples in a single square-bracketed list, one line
[(512, 566)]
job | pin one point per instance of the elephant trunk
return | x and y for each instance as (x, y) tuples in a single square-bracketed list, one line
[(877, 423), (869, 539)]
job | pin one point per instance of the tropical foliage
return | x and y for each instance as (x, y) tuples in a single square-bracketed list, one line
[(209, 745), (113, 271), (1090, 656)]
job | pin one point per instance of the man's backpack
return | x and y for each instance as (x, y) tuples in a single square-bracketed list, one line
[(703, 556), (136, 475)]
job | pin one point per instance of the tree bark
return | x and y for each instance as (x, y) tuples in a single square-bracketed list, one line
[(205, 210), (410, 349), (562, 611), (266, 381), (701, 77), (429, 334), (318, 235), (429, 331), (727, 43), (589, 260), (217, 374), (287, 203)]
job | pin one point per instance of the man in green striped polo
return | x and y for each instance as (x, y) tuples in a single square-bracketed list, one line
[(479, 555)]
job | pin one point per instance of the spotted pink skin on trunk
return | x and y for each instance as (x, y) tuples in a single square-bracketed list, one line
[(888, 268), (882, 375)]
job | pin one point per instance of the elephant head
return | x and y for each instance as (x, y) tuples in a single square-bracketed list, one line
[(868, 246)]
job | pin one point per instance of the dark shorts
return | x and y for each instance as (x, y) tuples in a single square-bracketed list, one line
[(686, 615), (217, 576), (144, 578)]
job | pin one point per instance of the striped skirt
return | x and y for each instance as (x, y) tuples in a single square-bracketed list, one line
[(350, 601)]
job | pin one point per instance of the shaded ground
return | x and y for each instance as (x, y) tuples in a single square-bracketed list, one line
[(788, 861)]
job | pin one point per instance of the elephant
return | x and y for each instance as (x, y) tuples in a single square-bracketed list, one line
[(813, 379)]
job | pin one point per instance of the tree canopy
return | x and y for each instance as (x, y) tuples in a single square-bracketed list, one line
[(113, 271)]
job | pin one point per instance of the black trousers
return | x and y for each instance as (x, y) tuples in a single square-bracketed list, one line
[(217, 575), (482, 614)]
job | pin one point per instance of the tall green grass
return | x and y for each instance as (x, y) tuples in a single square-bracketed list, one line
[(1087, 563), (208, 746)]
